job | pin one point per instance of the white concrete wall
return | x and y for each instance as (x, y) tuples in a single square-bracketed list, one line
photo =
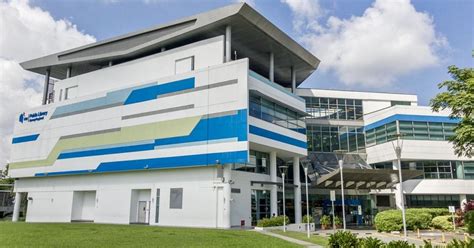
[(206, 53), (52, 198)]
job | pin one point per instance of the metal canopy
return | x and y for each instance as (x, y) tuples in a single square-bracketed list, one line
[(253, 37), (364, 178)]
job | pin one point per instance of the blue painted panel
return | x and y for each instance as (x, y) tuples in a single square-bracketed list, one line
[(152, 92), (403, 117), (161, 163), (26, 138), (230, 126), (278, 137)]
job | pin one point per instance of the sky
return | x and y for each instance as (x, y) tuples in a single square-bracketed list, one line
[(368, 45)]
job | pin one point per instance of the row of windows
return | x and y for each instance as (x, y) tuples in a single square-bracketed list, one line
[(416, 130), (266, 110), (334, 108), (441, 201), (436, 169), (324, 138)]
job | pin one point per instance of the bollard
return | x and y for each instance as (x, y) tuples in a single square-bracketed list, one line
[(443, 238), (418, 233)]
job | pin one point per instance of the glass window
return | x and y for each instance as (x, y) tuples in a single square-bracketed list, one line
[(157, 207), (184, 65), (176, 198), (70, 93), (334, 108)]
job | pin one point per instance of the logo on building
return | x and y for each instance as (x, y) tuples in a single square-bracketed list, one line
[(31, 117)]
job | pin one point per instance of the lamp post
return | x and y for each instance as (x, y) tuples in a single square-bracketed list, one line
[(283, 169), (305, 167), (398, 152), (341, 163)]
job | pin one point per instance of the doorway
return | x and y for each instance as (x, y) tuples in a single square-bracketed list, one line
[(140, 206), (83, 206)]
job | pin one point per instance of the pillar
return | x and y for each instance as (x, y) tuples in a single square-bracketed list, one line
[(227, 195), (297, 189), (228, 44), (46, 86), (16, 207), (462, 200), (68, 72), (399, 202), (273, 178), (293, 80), (271, 71), (110, 63)]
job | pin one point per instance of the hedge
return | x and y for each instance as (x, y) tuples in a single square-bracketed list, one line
[(469, 221), (391, 220), (442, 222), (274, 221)]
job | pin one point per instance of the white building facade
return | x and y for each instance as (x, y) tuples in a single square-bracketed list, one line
[(192, 124)]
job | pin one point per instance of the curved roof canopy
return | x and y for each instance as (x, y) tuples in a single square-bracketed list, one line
[(253, 36)]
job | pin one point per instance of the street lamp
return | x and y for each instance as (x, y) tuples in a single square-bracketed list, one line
[(398, 152), (341, 163), (283, 170), (305, 167)]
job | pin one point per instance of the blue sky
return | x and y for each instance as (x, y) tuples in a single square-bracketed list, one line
[(451, 19)]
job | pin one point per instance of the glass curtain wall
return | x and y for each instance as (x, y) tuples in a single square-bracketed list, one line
[(413, 130), (334, 108), (266, 110), (328, 138)]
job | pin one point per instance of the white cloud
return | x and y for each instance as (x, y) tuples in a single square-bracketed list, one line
[(27, 32), (390, 39), (305, 14)]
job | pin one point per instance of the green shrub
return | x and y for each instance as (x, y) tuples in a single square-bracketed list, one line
[(399, 244), (469, 221), (337, 221), (325, 220), (305, 219), (442, 222), (434, 212), (342, 239), (455, 243), (370, 242), (391, 220), (419, 220), (274, 221)]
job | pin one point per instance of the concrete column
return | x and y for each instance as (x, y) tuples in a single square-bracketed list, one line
[(163, 49), (68, 72), (228, 43), (398, 200), (16, 207), (271, 72), (293, 80), (110, 63), (297, 190), (227, 195), (462, 200), (46, 86), (273, 178)]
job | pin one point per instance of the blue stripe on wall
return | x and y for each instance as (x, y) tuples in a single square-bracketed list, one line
[(26, 138), (222, 127), (402, 117), (161, 163), (278, 137), (152, 92)]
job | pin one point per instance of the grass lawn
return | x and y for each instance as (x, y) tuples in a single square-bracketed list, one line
[(99, 235), (315, 239)]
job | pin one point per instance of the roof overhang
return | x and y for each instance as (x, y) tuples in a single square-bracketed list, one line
[(364, 178), (253, 36)]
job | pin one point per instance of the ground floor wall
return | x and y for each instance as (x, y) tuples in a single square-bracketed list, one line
[(185, 197)]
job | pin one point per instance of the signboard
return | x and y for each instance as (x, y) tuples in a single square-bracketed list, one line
[(332, 195), (452, 209)]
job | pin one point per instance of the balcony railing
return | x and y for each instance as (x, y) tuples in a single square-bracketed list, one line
[(274, 85)]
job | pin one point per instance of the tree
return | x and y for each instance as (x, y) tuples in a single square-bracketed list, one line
[(459, 98)]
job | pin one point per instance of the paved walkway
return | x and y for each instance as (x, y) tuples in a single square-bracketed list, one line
[(292, 240)]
